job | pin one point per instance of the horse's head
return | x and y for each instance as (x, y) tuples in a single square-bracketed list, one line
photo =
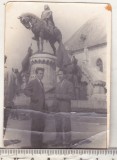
[(25, 20), (28, 20)]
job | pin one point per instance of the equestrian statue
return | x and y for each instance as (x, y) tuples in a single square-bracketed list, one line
[(43, 28)]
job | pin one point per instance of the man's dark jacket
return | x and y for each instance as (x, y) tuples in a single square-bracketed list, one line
[(35, 91)]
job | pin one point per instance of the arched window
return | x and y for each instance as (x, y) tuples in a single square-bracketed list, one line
[(99, 64)]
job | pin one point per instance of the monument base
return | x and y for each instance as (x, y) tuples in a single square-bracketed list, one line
[(48, 62)]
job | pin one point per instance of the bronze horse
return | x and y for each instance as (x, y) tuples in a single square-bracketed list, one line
[(38, 27)]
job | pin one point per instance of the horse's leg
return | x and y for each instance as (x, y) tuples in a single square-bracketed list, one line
[(42, 44), (34, 38), (42, 40), (38, 44), (53, 47)]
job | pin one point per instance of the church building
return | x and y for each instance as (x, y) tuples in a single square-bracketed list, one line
[(90, 44)]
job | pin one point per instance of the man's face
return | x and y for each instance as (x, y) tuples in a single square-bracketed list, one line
[(40, 74), (61, 75)]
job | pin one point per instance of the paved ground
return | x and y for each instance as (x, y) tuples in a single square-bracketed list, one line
[(88, 131)]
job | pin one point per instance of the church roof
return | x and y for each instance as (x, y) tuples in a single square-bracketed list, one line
[(92, 33)]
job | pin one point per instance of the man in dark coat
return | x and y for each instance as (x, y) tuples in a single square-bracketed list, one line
[(64, 95), (35, 91)]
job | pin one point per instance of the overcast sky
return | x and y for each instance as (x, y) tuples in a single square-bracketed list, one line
[(68, 17)]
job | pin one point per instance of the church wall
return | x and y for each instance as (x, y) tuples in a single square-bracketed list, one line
[(92, 55), (89, 58), (96, 53)]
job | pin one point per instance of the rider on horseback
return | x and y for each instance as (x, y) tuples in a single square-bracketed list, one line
[(48, 19), (43, 29)]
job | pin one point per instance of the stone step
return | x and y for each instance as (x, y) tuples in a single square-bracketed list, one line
[(81, 103), (89, 106)]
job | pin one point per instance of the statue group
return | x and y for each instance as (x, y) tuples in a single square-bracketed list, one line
[(44, 29)]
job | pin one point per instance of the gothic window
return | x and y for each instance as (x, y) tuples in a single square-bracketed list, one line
[(99, 64)]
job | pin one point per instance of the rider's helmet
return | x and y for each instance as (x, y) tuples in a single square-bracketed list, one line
[(46, 7)]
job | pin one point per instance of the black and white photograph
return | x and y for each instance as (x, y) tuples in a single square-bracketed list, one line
[(57, 75)]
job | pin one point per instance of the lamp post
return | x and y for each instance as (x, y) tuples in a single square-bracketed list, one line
[(83, 38)]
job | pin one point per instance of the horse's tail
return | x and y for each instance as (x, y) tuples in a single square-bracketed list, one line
[(58, 35), (62, 56), (59, 54)]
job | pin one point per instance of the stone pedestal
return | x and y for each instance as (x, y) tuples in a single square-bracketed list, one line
[(99, 99), (48, 62), (99, 87)]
